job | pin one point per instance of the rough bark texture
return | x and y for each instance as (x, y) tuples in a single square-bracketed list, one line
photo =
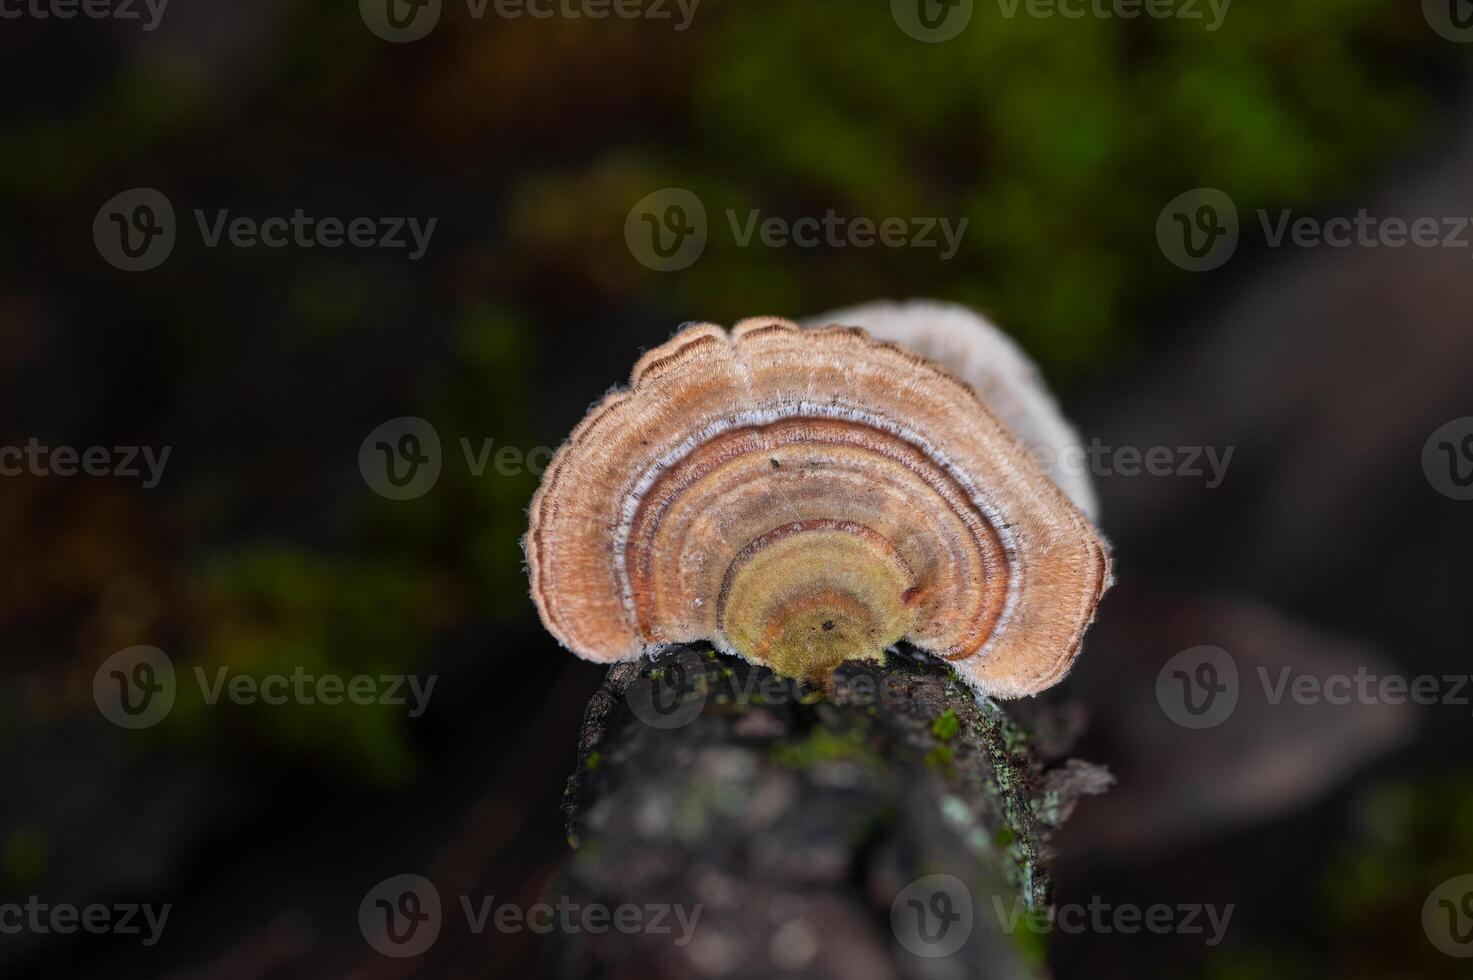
[(799, 820)]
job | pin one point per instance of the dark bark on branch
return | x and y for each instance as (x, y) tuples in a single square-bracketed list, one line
[(796, 821)]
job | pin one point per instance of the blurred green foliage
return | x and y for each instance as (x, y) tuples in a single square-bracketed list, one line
[(268, 609), (1060, 140), (49, 159), (276, 610)]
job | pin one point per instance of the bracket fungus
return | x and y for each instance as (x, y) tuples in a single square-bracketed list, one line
[(802, 497)]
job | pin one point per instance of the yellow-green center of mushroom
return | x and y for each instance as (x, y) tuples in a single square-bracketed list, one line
[(807, 597)]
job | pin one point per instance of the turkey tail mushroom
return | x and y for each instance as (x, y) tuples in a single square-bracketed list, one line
[(805, 497)]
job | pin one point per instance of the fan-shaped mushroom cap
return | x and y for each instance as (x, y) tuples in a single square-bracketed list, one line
[(803, 497)]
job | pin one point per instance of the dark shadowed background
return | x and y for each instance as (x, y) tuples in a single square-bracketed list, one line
[(1073, 157)]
